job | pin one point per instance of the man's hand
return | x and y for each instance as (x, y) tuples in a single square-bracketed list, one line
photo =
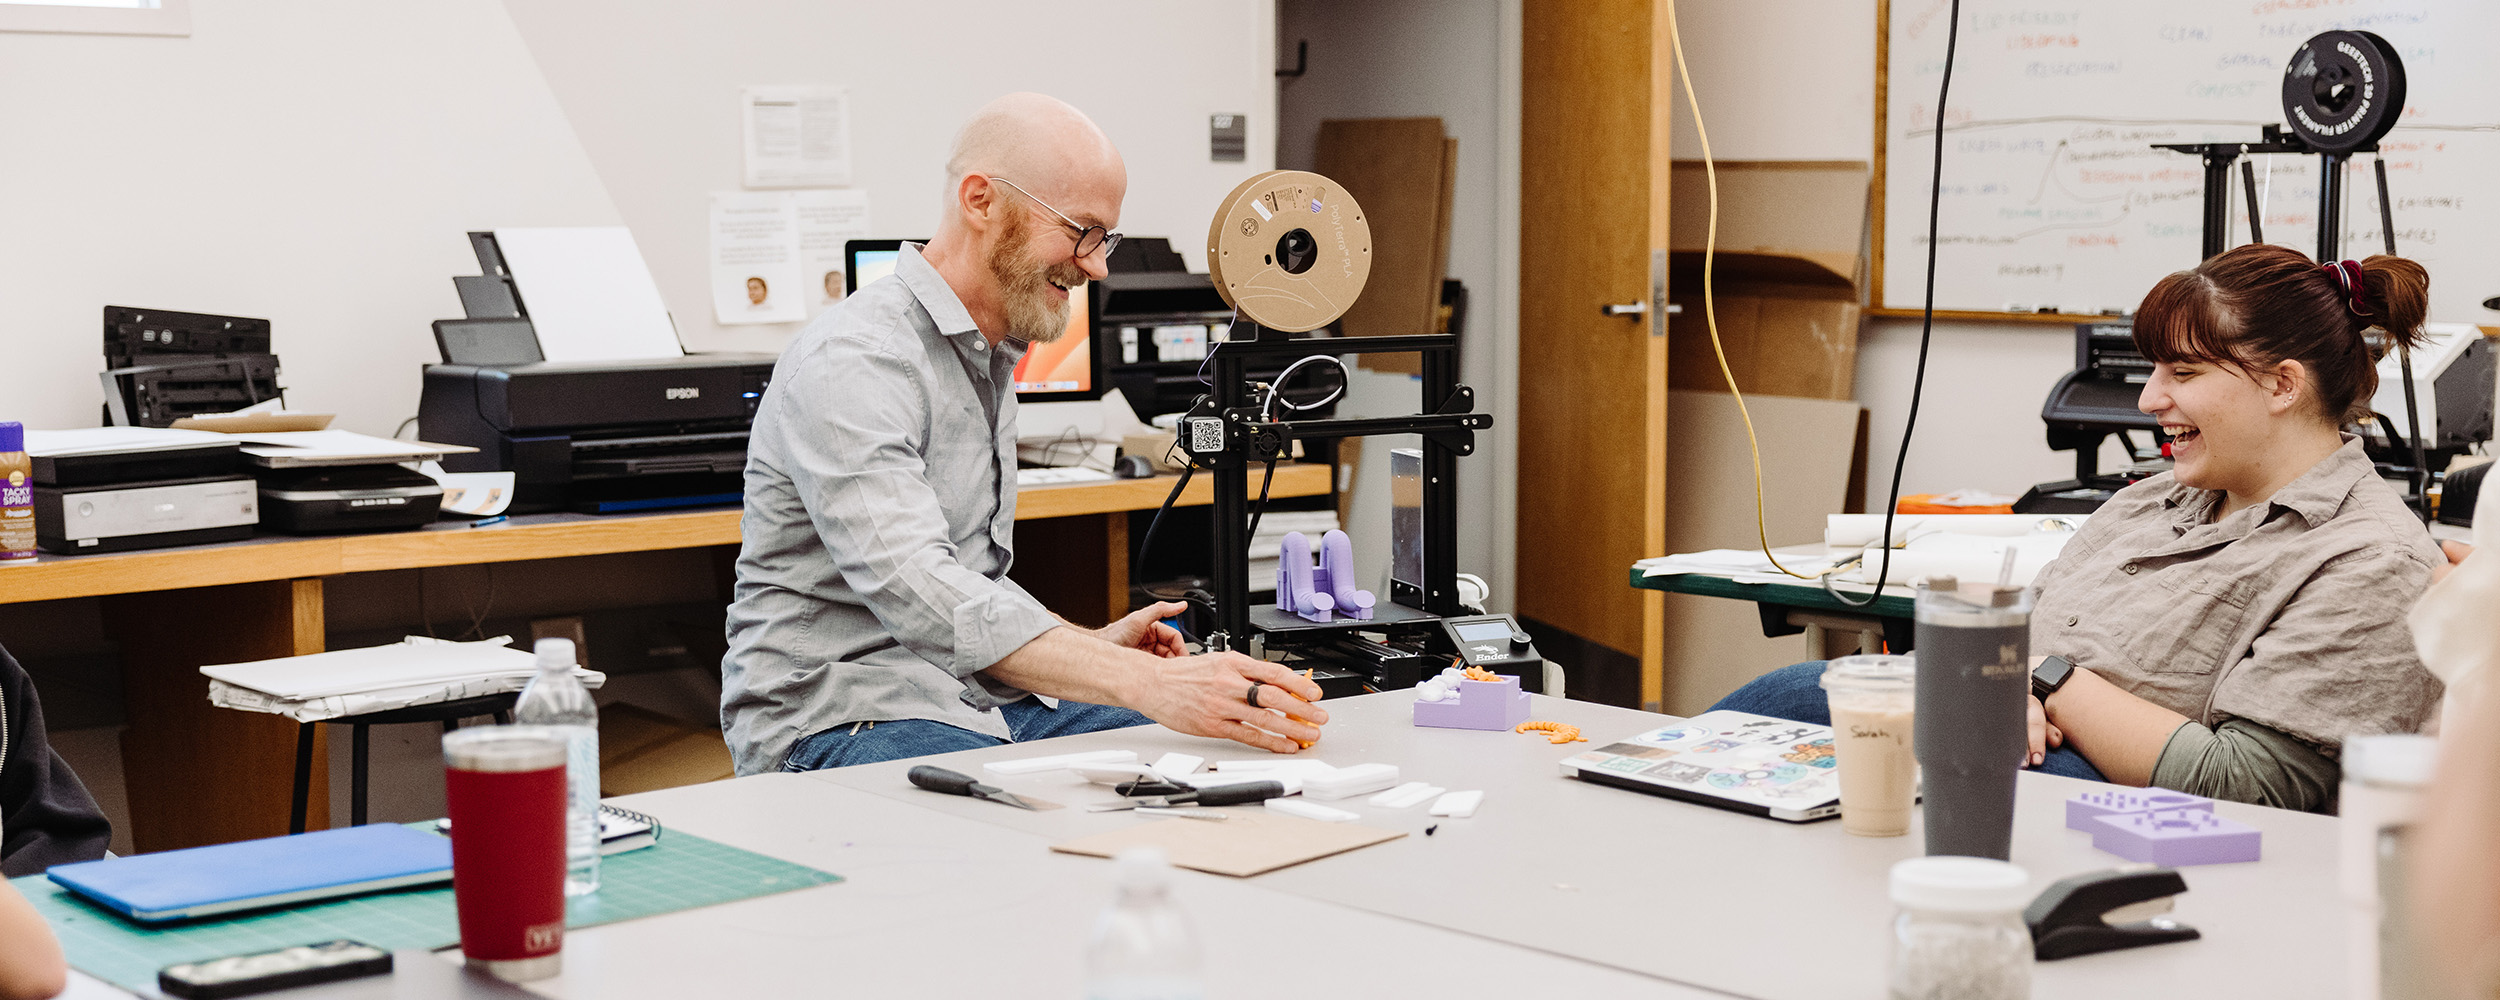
[(2044, 736), (1144, 629), (1208, 695), (2456, 553)]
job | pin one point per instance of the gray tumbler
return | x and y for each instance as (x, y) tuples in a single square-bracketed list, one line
[(1974, 657)]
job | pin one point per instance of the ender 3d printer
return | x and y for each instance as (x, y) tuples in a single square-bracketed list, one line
[(1290, 252)]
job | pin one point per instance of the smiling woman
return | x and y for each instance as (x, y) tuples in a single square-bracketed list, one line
[(2232, 621)]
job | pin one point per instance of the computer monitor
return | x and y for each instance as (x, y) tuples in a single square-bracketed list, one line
[(1065, 370)]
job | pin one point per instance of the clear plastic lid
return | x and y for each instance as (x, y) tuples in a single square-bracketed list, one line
[(1871, 674), (1960, 885)]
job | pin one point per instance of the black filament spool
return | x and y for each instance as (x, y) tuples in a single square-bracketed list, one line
[(2343, 91)]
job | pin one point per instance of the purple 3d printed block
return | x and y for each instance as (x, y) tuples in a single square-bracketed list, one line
[(1336, 576), (2176, 838), (1480, 705), (1297, 589), (2084, 807), (1324, 593)]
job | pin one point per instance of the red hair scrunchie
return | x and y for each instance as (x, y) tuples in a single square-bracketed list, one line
[(2347, 275)]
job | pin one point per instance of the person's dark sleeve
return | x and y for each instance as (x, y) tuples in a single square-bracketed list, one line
[(46, 816), (2243, 761)]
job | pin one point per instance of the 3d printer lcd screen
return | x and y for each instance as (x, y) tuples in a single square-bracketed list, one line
[(1063, 365), (1481, 631)]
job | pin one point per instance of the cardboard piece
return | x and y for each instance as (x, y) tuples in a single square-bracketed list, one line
[(1251, 842), (1403, 171), (1807, 348), (1808, 447), (1788, 268), (1780, 222), (254, 421)]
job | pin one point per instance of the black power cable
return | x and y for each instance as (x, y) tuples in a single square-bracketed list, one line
[(1927, 320)]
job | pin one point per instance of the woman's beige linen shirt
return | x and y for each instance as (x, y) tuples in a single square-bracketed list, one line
[(2289, 613)]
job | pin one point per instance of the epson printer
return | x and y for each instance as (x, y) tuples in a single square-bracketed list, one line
[(599, 436)]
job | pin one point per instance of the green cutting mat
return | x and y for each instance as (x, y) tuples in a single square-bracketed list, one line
[(681, 872)]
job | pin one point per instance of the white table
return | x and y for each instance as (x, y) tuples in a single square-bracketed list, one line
[(1704, 897), (1554, 888), (936, 906)]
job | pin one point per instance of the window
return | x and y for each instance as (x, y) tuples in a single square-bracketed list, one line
[(97, 17)]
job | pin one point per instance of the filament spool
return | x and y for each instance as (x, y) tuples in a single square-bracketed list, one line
[(1290, 250), (2343, 91)]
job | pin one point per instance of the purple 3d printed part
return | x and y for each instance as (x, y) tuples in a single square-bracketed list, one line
[(1325, 593), (1336, 568), (1480, 705), (2084, 807), (1297, 590), (2176, 838)]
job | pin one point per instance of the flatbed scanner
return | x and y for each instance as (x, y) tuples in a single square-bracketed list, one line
[(598, 436)]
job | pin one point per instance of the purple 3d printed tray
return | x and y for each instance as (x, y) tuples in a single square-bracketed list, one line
[(1480, 705), (2084, 807), (2176, 838)]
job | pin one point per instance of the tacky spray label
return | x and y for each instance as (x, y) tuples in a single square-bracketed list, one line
[(17, 495)]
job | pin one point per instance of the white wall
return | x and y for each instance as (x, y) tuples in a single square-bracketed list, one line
[(1457, 61), (314, 163), (1795, 80), (652, 88)]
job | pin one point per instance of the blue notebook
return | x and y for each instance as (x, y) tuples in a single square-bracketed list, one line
[(251, 874)]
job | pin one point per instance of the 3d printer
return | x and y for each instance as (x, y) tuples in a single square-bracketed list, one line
[(1290, 251)]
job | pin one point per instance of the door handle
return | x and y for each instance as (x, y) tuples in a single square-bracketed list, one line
[(1626, 309)]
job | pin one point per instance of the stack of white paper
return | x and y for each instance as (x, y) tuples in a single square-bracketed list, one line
[(590, 296), (117, 440), (290, 449), (416, 671)]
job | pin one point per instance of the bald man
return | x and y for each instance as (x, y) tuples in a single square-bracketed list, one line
[(874, 619)]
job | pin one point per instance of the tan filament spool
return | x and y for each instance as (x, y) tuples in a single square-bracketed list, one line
[(1290, 249)]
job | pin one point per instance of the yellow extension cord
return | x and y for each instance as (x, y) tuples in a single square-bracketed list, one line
[(1709, 312)]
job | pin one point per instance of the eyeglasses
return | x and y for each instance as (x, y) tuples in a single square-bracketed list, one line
[(1088, 238)]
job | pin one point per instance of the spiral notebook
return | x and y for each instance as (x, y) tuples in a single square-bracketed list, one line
[(620, 829)]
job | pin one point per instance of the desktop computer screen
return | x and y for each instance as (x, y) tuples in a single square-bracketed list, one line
[(1059, 371)]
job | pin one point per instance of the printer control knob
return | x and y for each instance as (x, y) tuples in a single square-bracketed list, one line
[(86, 508)]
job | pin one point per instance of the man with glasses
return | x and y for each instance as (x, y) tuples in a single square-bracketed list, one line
[(873, 618)]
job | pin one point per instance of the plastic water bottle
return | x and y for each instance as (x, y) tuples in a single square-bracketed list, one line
[(556, 699), (1142, 948)]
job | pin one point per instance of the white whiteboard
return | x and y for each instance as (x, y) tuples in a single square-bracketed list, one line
[(2054, 199)]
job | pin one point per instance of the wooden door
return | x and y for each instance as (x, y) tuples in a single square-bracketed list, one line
[(1595, 78)]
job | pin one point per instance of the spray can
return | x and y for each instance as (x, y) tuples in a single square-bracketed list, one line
[(17, 497)]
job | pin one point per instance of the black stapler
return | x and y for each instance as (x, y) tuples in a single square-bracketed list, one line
[(2106, 911)]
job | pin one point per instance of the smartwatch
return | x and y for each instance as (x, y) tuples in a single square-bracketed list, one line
[(2051, 674)]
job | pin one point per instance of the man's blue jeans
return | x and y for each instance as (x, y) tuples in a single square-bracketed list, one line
[(1795, 693), (1027, 719)]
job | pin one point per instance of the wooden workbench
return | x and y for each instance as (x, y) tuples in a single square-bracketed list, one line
[(197, 774)]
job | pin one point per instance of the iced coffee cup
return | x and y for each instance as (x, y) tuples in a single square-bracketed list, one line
[(1871, 699)]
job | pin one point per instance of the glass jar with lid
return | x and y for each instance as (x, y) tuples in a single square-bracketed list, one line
[(1960, 933)]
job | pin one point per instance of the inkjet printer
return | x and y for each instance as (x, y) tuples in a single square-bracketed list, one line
[(597, 436)]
